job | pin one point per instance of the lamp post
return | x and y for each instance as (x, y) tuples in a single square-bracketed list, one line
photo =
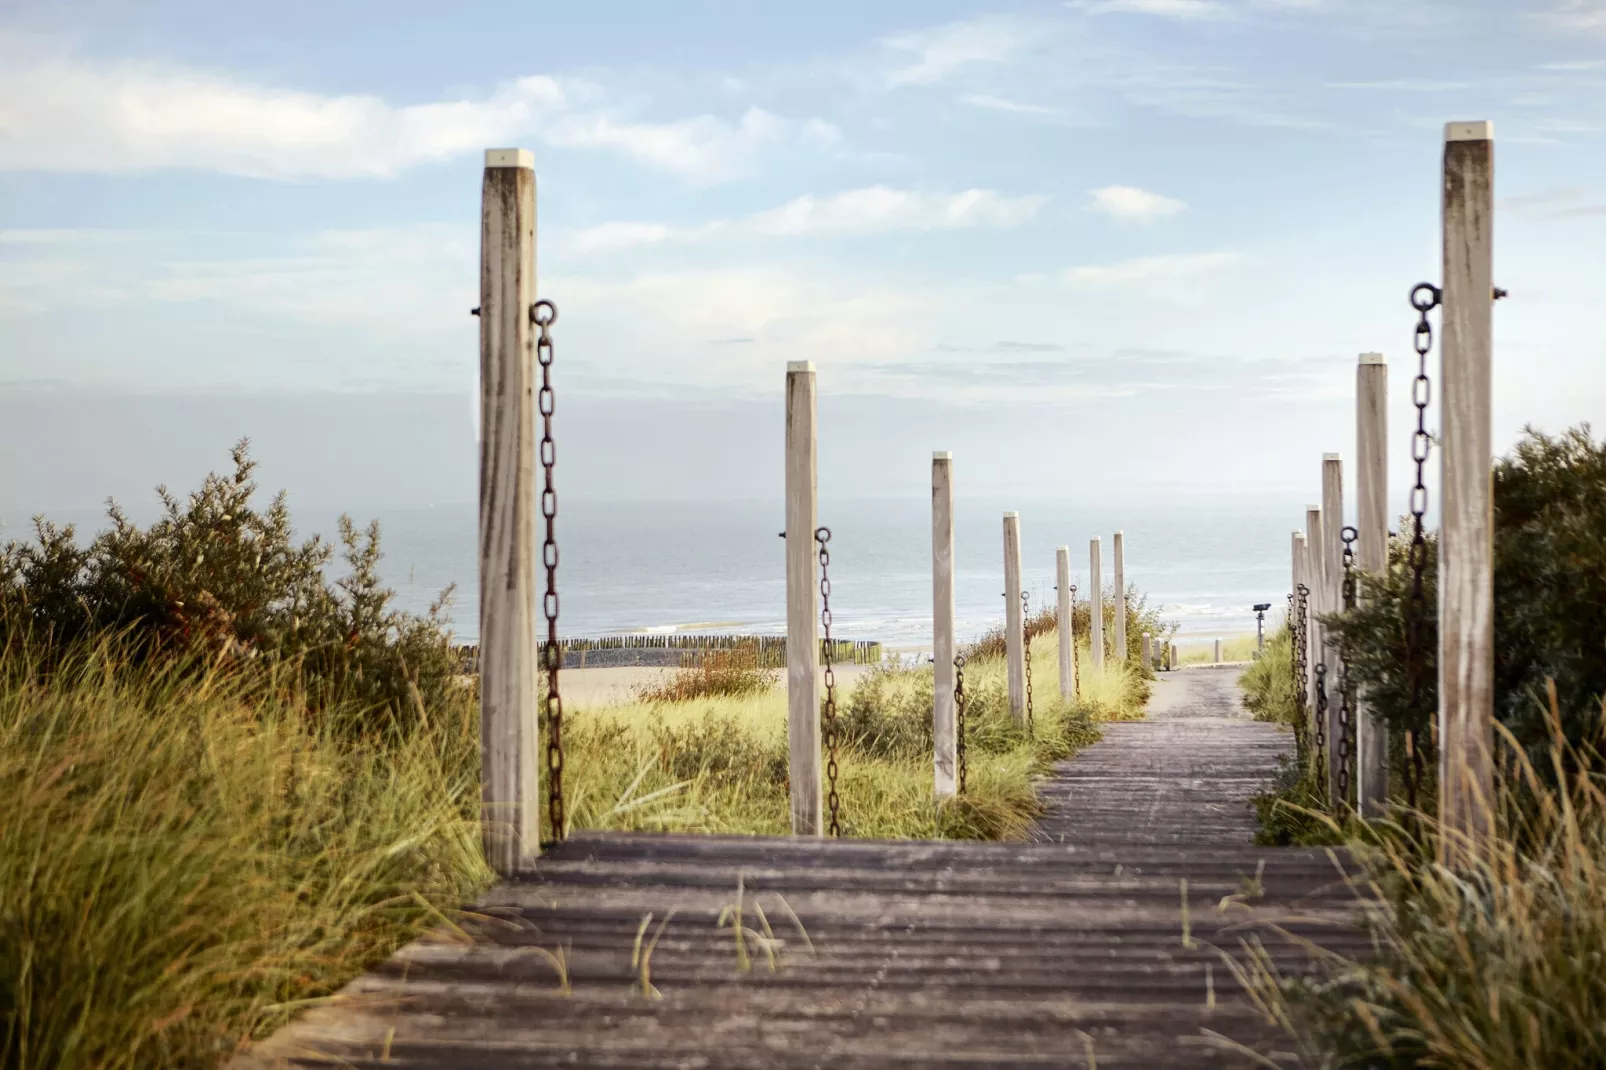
[(1260, 627)]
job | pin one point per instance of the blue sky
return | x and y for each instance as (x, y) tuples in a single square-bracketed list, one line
[(1190, 213)]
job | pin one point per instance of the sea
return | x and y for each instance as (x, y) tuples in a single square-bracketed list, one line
[(718, 567)]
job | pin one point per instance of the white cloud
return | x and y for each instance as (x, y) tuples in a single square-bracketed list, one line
[(63, 113), (1130, 202), (1580, 15), (1171, 9), (1170, 267), (871, 210), (942, 51), (992, 103)]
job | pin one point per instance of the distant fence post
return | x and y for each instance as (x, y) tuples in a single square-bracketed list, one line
[(1175, 661), (509, 770), (1014, 622), (802, 606), (1066, 622), (1148, 651), (1218, 651), (1095, 602), (1466, 548), (1119, 552), (1371, 484), (1332, 602), (944, 748)]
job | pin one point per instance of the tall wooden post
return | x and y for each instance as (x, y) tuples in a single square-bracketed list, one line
[(945, 747), (1014, 619), (802, 602), (1218, 651), (1371, 556), (1147, 650), (1066, 622), (509, 770), (1095, 600), (1466, 551), (1332, 602), (1119, 551), (1315, 577)]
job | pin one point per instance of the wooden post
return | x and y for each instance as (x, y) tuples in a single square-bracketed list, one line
[(509, 770), (1014, 620), (1314, 579), (1218, 651), (802, 605), (1371, 555), (1119, 551), (1466, 551), (1148, 651), (945, 747), (1067, 627), (1332, 602), (1175, 661), (1095, 600)]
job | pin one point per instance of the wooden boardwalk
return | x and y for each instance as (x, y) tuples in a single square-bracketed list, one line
[(868, 954)]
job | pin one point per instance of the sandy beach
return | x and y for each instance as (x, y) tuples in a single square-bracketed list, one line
[(592, 688)]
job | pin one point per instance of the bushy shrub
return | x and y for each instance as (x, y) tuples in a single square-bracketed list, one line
[(217, 579), (1141, 619), (1550, 599), (734, 672)]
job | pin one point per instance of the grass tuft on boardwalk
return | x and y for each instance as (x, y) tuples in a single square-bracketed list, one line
[(187, 860)]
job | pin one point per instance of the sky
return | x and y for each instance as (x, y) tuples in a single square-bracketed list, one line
[(1096, 247)]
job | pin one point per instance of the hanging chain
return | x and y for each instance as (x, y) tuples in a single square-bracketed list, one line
[(1076, 663), (1425, 298), (1346, 692), (1321, 723), (1296, 666), (833, 801), (1301, 659), (959, 716), (1026, 650), (544, 314)]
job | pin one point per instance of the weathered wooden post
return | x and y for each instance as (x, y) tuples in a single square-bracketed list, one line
[(1466, 551), (802, 605), (1218, 651), (1332, 602), (1119, 551), (509, 766), (1067, 627), (1148, 651), (1315, 578), (945, 750), (1175, 660), (1095, 602), (1014, 621), (1371, 555)]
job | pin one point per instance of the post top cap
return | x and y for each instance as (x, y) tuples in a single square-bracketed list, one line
[(1120, 533), (1329, 457), (942, 455), (1482, 130), (800, 365), (1300, 535), (1094, 539), (510, 158), (1373, 358), (1313, 508), (1012, 515)]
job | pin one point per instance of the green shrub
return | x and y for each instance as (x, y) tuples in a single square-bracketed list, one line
[(218, 580)]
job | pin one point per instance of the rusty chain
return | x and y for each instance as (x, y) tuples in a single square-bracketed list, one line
[(1026, 652), (544, 314), (1301, 656), (1297, 679), (1346, 743), (959, 717), (1425, 297), (1321, 724), (833, 800), (1076, 663)]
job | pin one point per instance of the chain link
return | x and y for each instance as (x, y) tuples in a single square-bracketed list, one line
[(544, 314), (959, 716), (1297, 682), (833, 800), (1346, 692), (1321, 724), (1026, 650), (1425, 297), (1301, 659), (1076, 662)]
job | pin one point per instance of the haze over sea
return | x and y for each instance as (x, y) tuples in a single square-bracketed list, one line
[(717, 566)]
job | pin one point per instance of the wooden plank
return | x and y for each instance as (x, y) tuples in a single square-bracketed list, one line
[(945, 756), (1066, 622), (1332, 602), (1466, 551), (1014, 622), (1095, 597), (802, 603), (509, 769), (1371, 556), (1118, 551)]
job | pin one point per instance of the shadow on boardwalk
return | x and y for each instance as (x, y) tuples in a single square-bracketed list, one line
[(869, 954)]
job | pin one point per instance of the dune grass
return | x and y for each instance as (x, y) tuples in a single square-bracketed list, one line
[(187, 861), (1196, 651), (719, 763)]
